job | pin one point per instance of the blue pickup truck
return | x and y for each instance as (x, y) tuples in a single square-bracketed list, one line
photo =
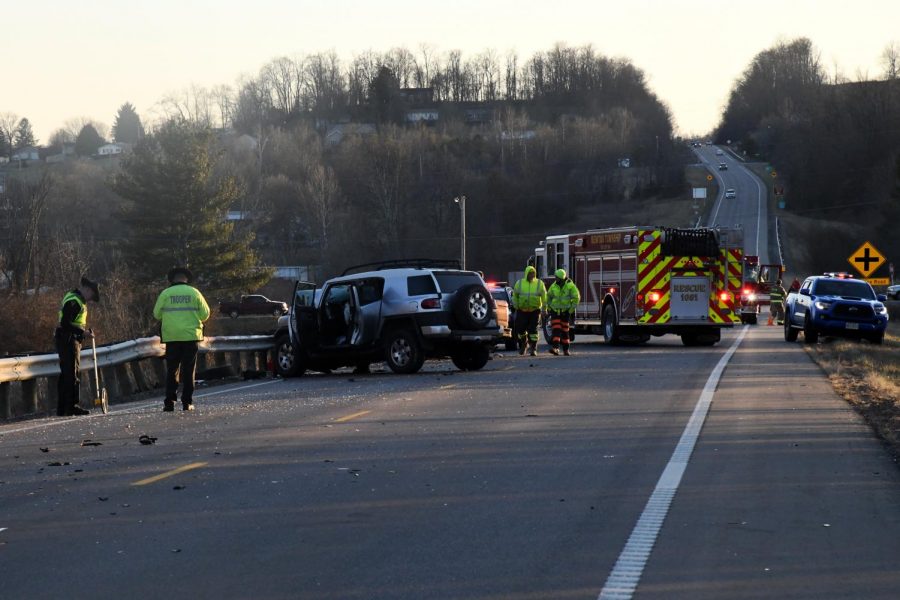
[(835, 306)]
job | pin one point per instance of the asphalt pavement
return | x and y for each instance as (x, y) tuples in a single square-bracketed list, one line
[(749, 207), (524, 480)]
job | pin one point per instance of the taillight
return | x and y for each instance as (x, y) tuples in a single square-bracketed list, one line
[(653, 297), (724, 296), (431, 303)]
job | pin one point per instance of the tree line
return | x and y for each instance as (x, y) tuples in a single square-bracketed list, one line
[(835, 142), (260, 184)]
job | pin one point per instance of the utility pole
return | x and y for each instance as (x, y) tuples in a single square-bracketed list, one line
[(461, 201)]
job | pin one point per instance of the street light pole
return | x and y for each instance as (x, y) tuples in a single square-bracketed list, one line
[(461, 200)]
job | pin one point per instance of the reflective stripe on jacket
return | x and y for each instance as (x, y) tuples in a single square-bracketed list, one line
[(182, 310), (529, 295), (563, 298), (777, 294)]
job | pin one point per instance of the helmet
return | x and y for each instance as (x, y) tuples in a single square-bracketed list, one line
[(560, 273)]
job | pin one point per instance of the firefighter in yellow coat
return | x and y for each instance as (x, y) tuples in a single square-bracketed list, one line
[(530, 298), (562, 300)]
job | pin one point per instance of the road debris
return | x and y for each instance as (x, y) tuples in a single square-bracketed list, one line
[(90, 443), (146, 440)]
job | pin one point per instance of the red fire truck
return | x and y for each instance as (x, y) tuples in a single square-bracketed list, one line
[(756, 285), (638, 282)]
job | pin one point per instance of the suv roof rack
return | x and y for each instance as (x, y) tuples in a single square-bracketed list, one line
[(408, 263)]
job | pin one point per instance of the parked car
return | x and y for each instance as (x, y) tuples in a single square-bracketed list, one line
[(835, 306), (253, 304), (399, 312), (723, 166), (730, 193), (506, 312)]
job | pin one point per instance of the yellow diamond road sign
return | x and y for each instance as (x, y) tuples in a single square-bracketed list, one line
[(867, 259)]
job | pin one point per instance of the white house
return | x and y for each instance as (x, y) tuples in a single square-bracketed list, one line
[(27, 153), (111, 149), (422, 115)]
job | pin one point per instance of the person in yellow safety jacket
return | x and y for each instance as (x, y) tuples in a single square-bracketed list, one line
[(562, 300), (182, 309), (530, 299), (776, 303), (70, 333)]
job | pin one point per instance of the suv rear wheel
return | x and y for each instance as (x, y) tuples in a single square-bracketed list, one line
[(402, 352), (471, 357), (473, 307)]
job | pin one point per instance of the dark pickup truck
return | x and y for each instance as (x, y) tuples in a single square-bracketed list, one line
[(253, 304)]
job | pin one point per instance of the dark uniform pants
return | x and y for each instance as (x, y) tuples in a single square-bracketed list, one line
[(527, 327), (181, 363), (69, 350), (777, 310), (559, 321)]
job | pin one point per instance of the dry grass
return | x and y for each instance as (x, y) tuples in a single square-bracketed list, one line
[(868, 377)]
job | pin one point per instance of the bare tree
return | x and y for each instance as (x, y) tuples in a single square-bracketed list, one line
[(26, 202), (890, 60), (73, 127), (8, 123), (323, 194)]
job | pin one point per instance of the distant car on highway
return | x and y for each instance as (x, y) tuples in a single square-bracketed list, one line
[(253, 304), (719, 152), (836, 306), (893, 292), (723, 166), (730, 193)]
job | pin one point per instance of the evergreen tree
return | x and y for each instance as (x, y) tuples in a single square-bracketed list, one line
[(88, 141), (24, 136), (128, 127), (177, 207)]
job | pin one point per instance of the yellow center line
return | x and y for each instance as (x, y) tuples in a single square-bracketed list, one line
[(353, 416), (161, 476)]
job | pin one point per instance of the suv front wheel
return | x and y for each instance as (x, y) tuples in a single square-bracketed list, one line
[(402, 352)]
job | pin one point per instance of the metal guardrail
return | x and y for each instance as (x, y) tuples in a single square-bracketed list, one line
[(778, 241), (25, 368)]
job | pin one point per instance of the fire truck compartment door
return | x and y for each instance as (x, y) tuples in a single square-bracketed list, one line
[(690, 299)]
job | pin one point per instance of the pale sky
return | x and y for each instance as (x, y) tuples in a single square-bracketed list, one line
[(65, 58)]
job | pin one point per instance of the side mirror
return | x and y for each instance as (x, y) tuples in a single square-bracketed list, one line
[(804, 292), (882, 298)]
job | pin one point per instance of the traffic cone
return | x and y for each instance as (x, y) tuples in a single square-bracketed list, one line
[(771, 320)]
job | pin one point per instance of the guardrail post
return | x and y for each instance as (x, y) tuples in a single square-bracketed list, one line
[(137, 373), (5, 405), (30, 396), (234, 359), (262, 360), (126, 386), (202, 361)]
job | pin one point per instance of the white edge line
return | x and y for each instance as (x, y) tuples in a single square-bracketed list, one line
[(626, 574), (131, 409)]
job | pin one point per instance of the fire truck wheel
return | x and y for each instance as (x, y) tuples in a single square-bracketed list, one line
[(751, 319), (473, 307), (610, 325)]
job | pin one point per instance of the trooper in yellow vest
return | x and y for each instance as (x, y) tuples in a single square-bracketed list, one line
[(562, 300), (182, 309), (529, 298), (70, 333)]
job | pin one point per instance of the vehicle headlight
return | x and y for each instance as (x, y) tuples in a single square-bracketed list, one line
[(752, 297), (823, 305), (880, 309)]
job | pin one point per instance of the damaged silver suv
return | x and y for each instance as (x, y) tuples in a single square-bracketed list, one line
[(399, 312)]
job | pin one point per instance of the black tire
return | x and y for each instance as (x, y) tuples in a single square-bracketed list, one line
[(511, 345), (610, 325), (877, 339), (810, 335), (790, 334), (287, 364), (402, 352), (689, 339), (471, 357), (751, 319), (234, 314), (473, 307)]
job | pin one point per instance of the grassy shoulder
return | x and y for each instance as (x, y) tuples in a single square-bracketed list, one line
[(868, 377)]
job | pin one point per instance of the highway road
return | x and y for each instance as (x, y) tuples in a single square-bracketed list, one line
[(523, 481), (749, 208)]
